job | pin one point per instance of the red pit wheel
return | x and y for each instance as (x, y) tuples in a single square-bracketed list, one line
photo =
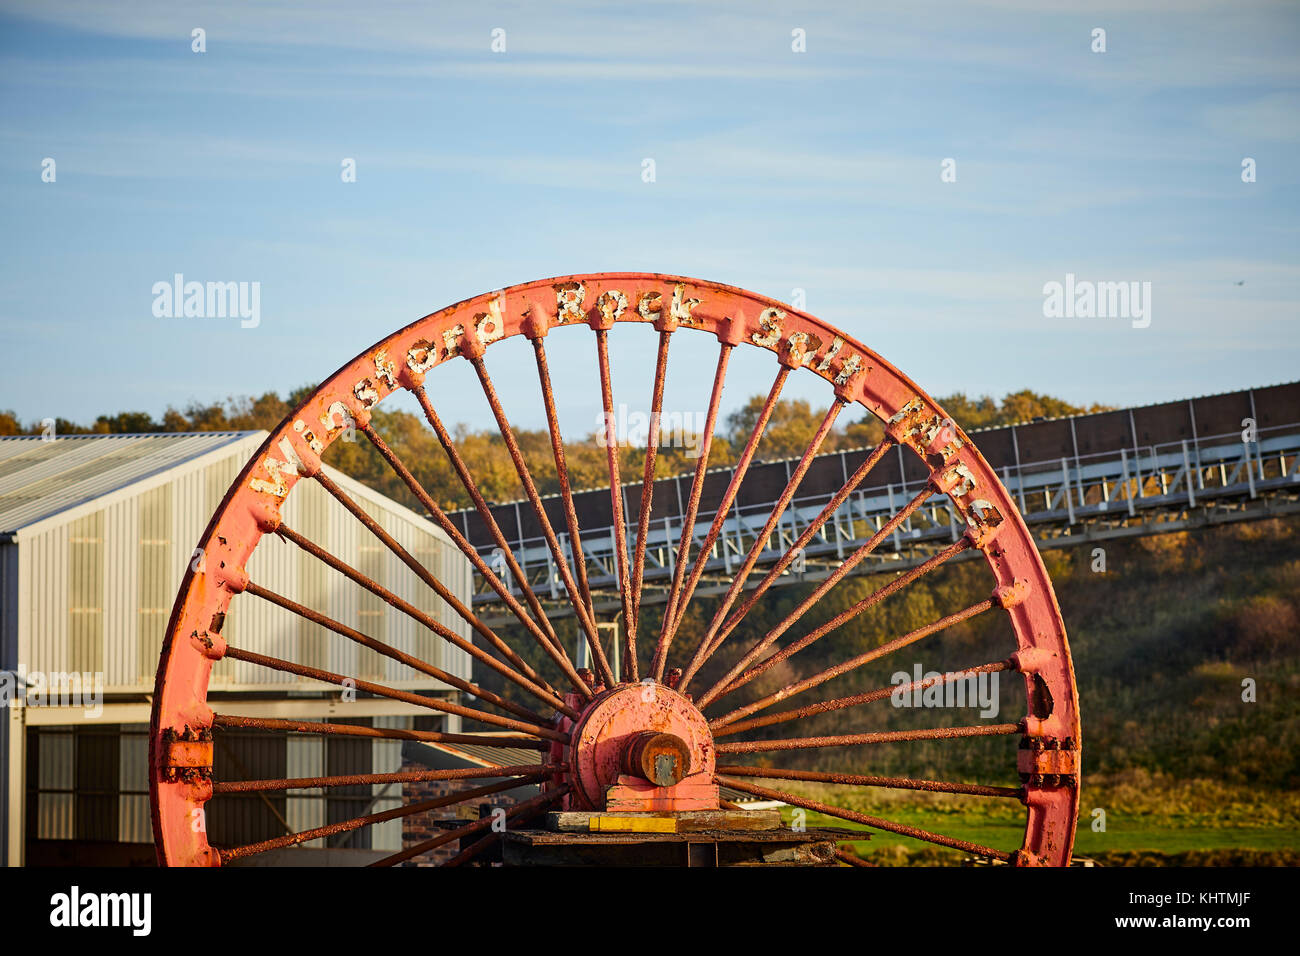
[(652, 741)]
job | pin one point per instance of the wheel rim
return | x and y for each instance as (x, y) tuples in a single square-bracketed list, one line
[(182, 728)]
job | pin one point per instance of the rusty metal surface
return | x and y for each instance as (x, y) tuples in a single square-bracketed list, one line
[(739, 671), (370, 687), (648, 480), (692, 510), (662, 758), (467, 549), (471, 488), (521, 814), (520, 810), (387, 650), (870, 601), (425, 575), (851, 859), (562, 475), (530, 490), (874, 737), (852, 663), (343, 826), (710, 642), (815, 526), (723, 729), (875, 822), (365, 779), (864, 780), (733, 486), (278, 725), (601, 735), (616, 501)]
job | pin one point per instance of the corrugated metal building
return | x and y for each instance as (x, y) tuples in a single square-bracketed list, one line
[(95, 535)]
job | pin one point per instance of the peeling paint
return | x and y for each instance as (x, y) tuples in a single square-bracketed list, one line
[(681, 306), (568, 302), (850, 367), (421, 356), (770, 321), (649, 305)]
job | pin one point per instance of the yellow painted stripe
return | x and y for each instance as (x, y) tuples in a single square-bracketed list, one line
[(632, 824)]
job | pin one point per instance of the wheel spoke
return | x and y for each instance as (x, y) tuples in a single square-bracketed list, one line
[(697, 570), (332, 829), (534, 688), (475, 559), (279, 725), (858, 476), (692, 509), (708, 645), (728, 496), (859, 780), (586, 620), (877, 737), (854, 817), (392, 653), (470, 829), (562, 473), (370, 779), (851, 859), (289, 667), (616, 507), (441, 589), (518, 814), (826, 706), (884, 650), (484, 512), (648, 475), (734, 682)]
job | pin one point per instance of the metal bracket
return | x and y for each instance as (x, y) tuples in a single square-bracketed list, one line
[(1047, 761), (186, 756)]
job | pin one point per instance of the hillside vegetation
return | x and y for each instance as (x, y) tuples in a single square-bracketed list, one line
[(789, 430)]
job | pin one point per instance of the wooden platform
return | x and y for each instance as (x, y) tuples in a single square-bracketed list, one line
[(699, 848), (681, 821)]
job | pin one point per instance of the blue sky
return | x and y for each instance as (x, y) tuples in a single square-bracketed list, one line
[(775, 170)]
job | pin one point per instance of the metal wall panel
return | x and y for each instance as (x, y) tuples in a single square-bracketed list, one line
[(100, 588), (387, 758), (154, 590), (98, 772), (45, 630), (53, 751), (133, 825), (123, 664), (305, 809)]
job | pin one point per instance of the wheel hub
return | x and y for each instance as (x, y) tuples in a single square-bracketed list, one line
[(641, 741)]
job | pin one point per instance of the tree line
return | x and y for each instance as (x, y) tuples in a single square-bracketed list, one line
[(791, 427)]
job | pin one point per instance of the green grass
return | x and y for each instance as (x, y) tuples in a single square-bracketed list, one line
[(1166, 837), (1184, 839)]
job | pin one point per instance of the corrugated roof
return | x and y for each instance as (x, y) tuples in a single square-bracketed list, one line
[(42, 477), (491, 756)]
